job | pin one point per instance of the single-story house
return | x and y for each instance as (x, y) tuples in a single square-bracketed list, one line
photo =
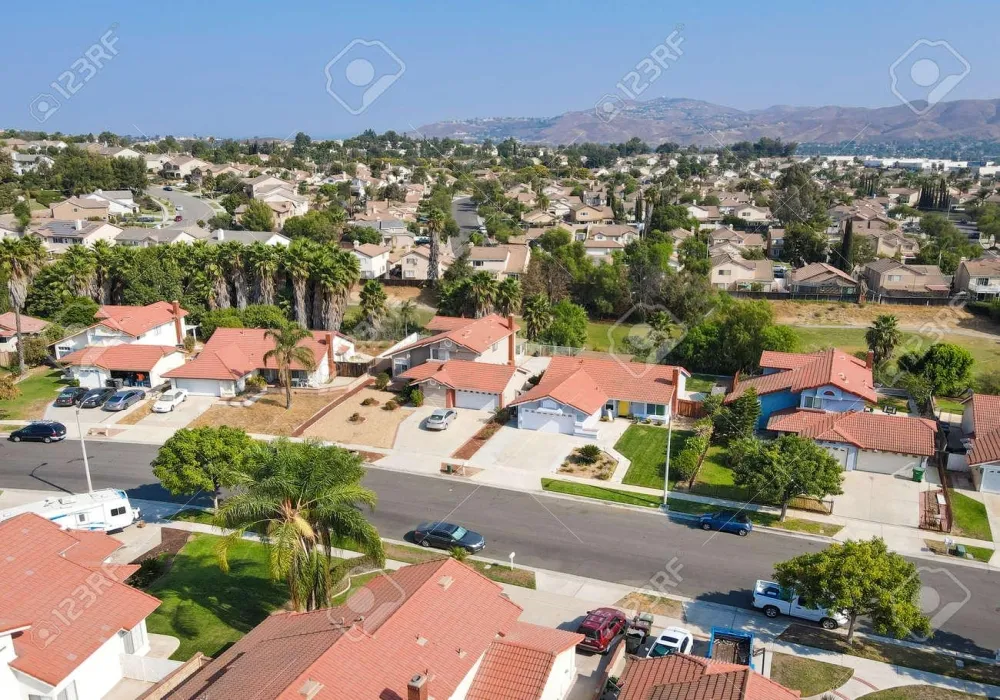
[(232, 355), (8, 329), (829, 380), (686, 677), (491, 339), (821, 278), (463, 383), (136, 365), (871, 442), (981, 431), (575, 393)]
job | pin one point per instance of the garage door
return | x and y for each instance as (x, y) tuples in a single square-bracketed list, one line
[(199, 387), (839, 454), (885, 462), (991, 480), (545, 422), (435, 394), (476, 399)]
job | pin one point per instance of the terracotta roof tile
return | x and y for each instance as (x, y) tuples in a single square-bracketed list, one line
[(132, 357), (29, 324), (463, 374), (986, 427), (810, 371), (477, 334), (685, 677), (136, 320), (868, 431)]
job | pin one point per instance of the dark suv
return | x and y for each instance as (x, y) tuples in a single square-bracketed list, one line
[(96, 397), (600, 629), (42, 431), (70, 396)]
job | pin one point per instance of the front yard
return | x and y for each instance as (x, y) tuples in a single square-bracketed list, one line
[(38, 389), (358, 424), (969, 517), (267, 416), (808, 676)]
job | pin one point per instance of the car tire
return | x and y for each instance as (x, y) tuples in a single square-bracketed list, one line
[(742, 533), (706, 526), (425, 543), (828, 623), (771, 611), (46, 439), (171, 409), (16, 438)]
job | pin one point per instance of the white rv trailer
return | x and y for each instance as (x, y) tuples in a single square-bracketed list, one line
[(101, 511)]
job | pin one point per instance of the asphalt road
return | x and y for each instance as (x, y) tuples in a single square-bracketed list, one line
[(463, 209), (194, 209), (592, 540)]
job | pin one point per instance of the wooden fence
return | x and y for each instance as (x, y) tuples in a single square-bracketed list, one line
[(353, 369), (690, 409)]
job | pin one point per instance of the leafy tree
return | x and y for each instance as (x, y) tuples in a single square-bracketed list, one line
[(863, 251), (288, 351), (317, 225), (537, 314), (945, 366), (692, 254), (945, 245), (803, 245), (988, 382), (78, 311), (201, 459), (8, 387), (568, 327), (847, 249), (209, 321), (263, 316), (257, 216), (864, 579), (362, 234), (798, 201), (883, 336), (788, 467), (304, 498)]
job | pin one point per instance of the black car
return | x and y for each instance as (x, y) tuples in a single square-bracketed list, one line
[(70, 396), (96, 397), (43, 431), (448, 535), (124, 398)]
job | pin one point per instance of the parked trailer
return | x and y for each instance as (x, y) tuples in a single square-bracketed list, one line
[(731, 646), (100, 511)]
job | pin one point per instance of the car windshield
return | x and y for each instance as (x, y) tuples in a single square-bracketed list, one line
[(438, 415), (660, 649), (168, 396), (67, 392), (591, 633), (459, 532)]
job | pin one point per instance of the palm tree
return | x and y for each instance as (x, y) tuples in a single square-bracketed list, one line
[(104, 256), (407, 313), (233, 255), (80, 266), (264, 261), (483, 293), (537, 315), (435, 225), (883, 337), (288, 351), (373, 307), (20, 261), (304, 498), (508, 296), (298, 262), (346, 273)]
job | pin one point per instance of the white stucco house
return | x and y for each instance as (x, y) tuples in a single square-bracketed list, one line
[(161, 323), (373, 259)]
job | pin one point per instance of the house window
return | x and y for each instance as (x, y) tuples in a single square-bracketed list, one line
[(983, 281), (724, 273), (118, 511), (409, 274), (81, 517), (812, 402), (895, 278), (656, 409), (478, 263)]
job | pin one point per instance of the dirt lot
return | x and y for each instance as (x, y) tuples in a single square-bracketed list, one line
[(378, 428), (267, 416), (816, 313)]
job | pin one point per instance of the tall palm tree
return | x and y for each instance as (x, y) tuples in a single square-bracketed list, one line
[(20, 261), (288, 351), (305, 498), (508, 296), (374, 308), (80, 267), (407, 314), (298, 262), (340, 273), (537, 314), (883, 337), (483, 293), (435, 225), (264, 261), (104, 256), (233, 255)]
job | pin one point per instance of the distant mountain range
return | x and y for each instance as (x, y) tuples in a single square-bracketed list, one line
[(702, 123)]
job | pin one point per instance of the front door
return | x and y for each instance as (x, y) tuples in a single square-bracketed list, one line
[(623, 407)]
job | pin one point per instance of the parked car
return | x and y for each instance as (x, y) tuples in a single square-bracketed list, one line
[(42, 431), (441, 418), (96, 397), (179, 208), (168, 188), (672, 640), (727, 521), (170, 400), (123, 399), (178, 218), (600, 628), (775, 600), (447, 535), (70, 396)]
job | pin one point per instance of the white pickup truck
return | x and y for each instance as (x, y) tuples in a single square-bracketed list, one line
[(775, 600)]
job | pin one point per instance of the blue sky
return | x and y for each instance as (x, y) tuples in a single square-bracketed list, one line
[(254, 68)]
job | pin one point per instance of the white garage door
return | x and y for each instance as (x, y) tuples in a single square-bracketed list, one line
[(839, 454), (476, 400), (991, 480), (199, 387), (885, 462), (545, 422)]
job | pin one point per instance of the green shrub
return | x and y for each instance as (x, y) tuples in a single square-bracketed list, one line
[(589, 454), (370, 401), (255, 382), (390, 405), (150, 569), (417, 397), (382, 381)]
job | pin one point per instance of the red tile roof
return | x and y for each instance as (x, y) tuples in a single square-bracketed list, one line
[(42, 567), (132, 357), (685, 677), (29, 324), (136, 320), (463, 374), (810, 371), (587, 383), (868, 431), (517, 667), (477, 334), (232, 353), (986, 429), (436, 618)]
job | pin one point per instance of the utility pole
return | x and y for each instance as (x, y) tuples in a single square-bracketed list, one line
[(666, 469), (83, 447)]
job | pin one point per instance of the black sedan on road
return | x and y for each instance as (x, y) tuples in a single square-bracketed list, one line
[(96, 398), (447, 535), (123, 399), (70, 396), (42, 431)]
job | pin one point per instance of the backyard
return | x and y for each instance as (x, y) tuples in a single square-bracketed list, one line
[(38, 390)]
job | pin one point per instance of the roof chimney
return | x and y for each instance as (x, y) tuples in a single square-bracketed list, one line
[(331, 366), (416, 689), (175, 310), (78, 224), (870, 359), (511, 340)]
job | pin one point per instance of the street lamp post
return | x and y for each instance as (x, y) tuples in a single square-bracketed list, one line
[(83, 447), (666, 469)]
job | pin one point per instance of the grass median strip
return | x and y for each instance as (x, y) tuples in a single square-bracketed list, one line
[(599, 492), (808, 676), (919, 692)]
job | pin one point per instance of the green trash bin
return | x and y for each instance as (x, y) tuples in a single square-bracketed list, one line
[(918, 474)]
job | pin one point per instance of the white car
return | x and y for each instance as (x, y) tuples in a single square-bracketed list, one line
[(774, 600), (179, 208), (672, 640), (170, 400)]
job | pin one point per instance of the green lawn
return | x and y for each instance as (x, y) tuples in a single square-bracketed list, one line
[(716, 479), (602, 334), (919, 692), (645, 447), (38, 390), (216, 608), (808, 676), (983, 554), (599, 492), (969, 517), (701, 382), (900, 403), (949, 405)]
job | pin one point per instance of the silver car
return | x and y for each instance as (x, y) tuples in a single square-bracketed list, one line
[(441, 419)]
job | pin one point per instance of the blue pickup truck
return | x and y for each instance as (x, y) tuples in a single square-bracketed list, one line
[(731, 646)]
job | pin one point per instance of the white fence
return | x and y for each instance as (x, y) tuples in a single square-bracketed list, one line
[(542, 350)]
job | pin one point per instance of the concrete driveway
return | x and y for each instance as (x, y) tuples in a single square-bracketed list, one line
[(882, 498), (89, 417), (527, 449), (412, 437), (192, 407)]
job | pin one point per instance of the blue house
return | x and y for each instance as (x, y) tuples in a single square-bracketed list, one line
[(831, 380)]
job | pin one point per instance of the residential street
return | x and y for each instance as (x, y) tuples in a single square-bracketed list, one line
[(195, 209), (592, 540), (464, 211)]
